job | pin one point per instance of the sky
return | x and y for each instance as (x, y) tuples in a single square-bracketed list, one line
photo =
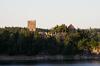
[(48, 13)]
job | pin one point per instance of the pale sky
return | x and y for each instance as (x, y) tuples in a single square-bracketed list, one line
[(48, 13)]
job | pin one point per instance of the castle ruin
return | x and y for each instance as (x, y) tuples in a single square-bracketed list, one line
[(32, 25)]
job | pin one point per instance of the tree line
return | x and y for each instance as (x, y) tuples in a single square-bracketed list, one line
[(64, 41)]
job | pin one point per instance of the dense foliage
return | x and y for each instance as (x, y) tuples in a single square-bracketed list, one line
[(20, 41)]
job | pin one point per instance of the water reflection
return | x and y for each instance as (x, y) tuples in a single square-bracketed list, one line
[(71, 63)]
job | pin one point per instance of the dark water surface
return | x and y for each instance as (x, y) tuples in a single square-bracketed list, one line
[(75, 63)]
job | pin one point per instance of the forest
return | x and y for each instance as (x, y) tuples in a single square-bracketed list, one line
[(63, 41)]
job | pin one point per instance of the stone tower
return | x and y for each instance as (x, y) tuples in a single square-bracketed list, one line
[(32, 25)]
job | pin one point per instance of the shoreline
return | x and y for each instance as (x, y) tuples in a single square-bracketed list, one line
[(46, 57)]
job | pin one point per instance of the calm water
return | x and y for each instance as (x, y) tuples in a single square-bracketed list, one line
[(93, 63)]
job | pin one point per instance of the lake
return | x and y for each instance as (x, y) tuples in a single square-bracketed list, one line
[(75, 63)]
